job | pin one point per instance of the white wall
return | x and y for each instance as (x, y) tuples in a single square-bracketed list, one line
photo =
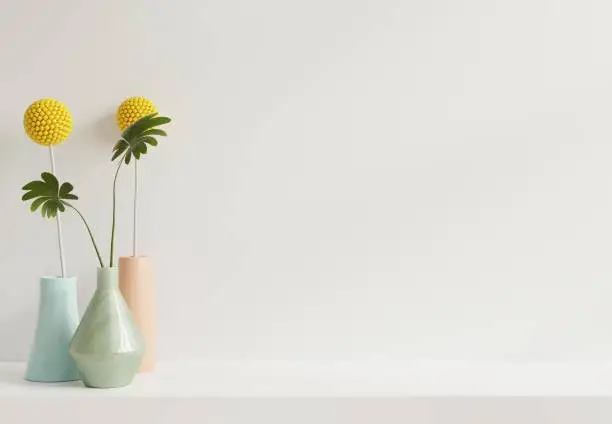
[(344, 178)]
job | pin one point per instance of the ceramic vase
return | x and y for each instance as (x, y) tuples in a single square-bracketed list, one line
[(137, 284), (58, 318), (107, 347)]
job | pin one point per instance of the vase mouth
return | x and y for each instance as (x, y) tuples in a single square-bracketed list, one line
[(57, 277), (108, 272)]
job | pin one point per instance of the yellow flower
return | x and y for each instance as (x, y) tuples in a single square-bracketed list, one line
[(47, 122), (132, 109)]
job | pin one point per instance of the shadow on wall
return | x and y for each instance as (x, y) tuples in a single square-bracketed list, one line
[(107, 130)]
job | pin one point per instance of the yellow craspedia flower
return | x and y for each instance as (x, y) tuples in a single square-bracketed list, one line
[(132, 109), (47, 122)]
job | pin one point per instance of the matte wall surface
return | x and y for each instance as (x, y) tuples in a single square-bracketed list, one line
[(362, 179)]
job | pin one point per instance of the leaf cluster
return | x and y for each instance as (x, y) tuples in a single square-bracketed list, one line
[(137, 138), (48, 195)]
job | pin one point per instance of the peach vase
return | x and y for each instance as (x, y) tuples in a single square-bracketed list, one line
[(137, 284)]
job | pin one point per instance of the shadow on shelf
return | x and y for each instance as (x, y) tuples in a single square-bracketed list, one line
[(14, 376)]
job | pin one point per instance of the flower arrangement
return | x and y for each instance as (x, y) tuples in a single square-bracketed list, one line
[(130, 111), (108, 346), (136, 274), (48, 122)]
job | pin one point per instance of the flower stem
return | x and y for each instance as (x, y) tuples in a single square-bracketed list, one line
[(89, 231), (112, 246), (135, 224), (58, 220)]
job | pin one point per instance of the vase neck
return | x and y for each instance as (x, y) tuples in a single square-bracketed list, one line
[(108, 278), (49, 284)]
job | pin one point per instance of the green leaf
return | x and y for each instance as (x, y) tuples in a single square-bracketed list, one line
[(119, 148), (48, 195), (50, 180), (138, 127), (65, 189), (33, 185), (50, 208), (37, 187), (136, 137), (29, 195), (36, 203), (159, 120), (44, 208), (145, 125), (149, 140), (154, 131)]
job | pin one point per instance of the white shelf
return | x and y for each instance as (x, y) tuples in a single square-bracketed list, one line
[(276, 379), (278, 392)]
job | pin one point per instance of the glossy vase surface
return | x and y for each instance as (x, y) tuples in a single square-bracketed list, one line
[(58, 318), (137, 284), (107, 346)]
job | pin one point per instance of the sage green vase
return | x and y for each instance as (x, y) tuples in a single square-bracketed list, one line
[(107, 347)]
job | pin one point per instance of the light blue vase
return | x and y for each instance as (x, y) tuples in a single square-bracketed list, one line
[(58, 318)]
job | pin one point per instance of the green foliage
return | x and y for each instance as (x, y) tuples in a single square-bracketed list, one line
[(48, 195), (51, 197), (138, 136)]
